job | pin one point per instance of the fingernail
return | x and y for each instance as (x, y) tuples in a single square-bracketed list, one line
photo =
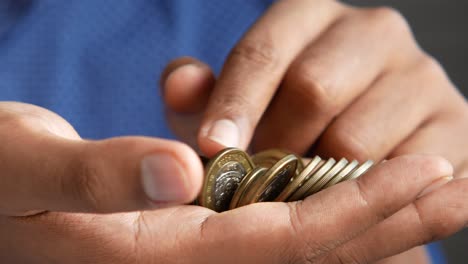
[(436, 185), (224, 132), (163, 178)]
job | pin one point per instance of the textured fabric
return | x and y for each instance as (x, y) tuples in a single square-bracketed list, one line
[(96, 62)]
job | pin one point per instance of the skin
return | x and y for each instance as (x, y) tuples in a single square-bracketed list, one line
[(320, 67)]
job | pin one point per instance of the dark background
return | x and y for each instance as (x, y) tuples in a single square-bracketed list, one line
[(440, 28)]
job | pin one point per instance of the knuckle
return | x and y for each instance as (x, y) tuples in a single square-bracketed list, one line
[(347, 143), (390, 20), (430, 68), (362, 195), (311, 84), (431, 229), (367, 201), (257, 52)]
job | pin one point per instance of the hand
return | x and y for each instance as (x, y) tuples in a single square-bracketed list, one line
[(342, 81), (48, 167)]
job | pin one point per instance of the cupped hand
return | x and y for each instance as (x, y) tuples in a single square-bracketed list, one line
[(317, 230)]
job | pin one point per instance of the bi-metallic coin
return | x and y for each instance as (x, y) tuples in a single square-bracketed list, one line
[(223, 175)]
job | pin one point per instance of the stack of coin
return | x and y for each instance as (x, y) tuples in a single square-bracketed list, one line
[(234, 179)]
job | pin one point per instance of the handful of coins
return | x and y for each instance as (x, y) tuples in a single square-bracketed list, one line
[(234, 179)]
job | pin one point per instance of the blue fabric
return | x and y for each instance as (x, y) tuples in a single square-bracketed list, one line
[(96, 62), (436, 253)]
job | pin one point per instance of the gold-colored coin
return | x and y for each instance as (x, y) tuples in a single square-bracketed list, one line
[(343, 173), (359, 170), (223, 175), (270, 157), (273, 181), (327, 177), (298, 180), (249, 179), (301, 192)]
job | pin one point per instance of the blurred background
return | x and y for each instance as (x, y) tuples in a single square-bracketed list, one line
[(441, 29)]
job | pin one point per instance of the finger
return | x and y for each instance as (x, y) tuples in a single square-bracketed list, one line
[(432, 138), (255, 68), (186, 84), (43, 171), (434, 216), (330, 74), (363, 132), (307, 230)]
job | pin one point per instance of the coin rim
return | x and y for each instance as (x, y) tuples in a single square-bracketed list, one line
[(335, 169), (359, 171), (277, 154), (350, 167), (298, 180), (313, 179), (260, 186), (247, 181)]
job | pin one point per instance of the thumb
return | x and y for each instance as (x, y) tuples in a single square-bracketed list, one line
[(45, 171)]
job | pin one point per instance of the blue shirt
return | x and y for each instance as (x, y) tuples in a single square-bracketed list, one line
[(96, 63)]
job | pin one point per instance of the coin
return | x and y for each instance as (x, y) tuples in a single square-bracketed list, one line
[(238, 199), (274, 181), (233, 179), (327, 177), (359, 171), (313, 179), (223, 175), (297, 180), (270, 157), (343, 173)]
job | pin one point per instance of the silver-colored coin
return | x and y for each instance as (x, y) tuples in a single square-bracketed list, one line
[(327, 177), (313, 179), (363, 168), (228, 179), (343, 173)]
